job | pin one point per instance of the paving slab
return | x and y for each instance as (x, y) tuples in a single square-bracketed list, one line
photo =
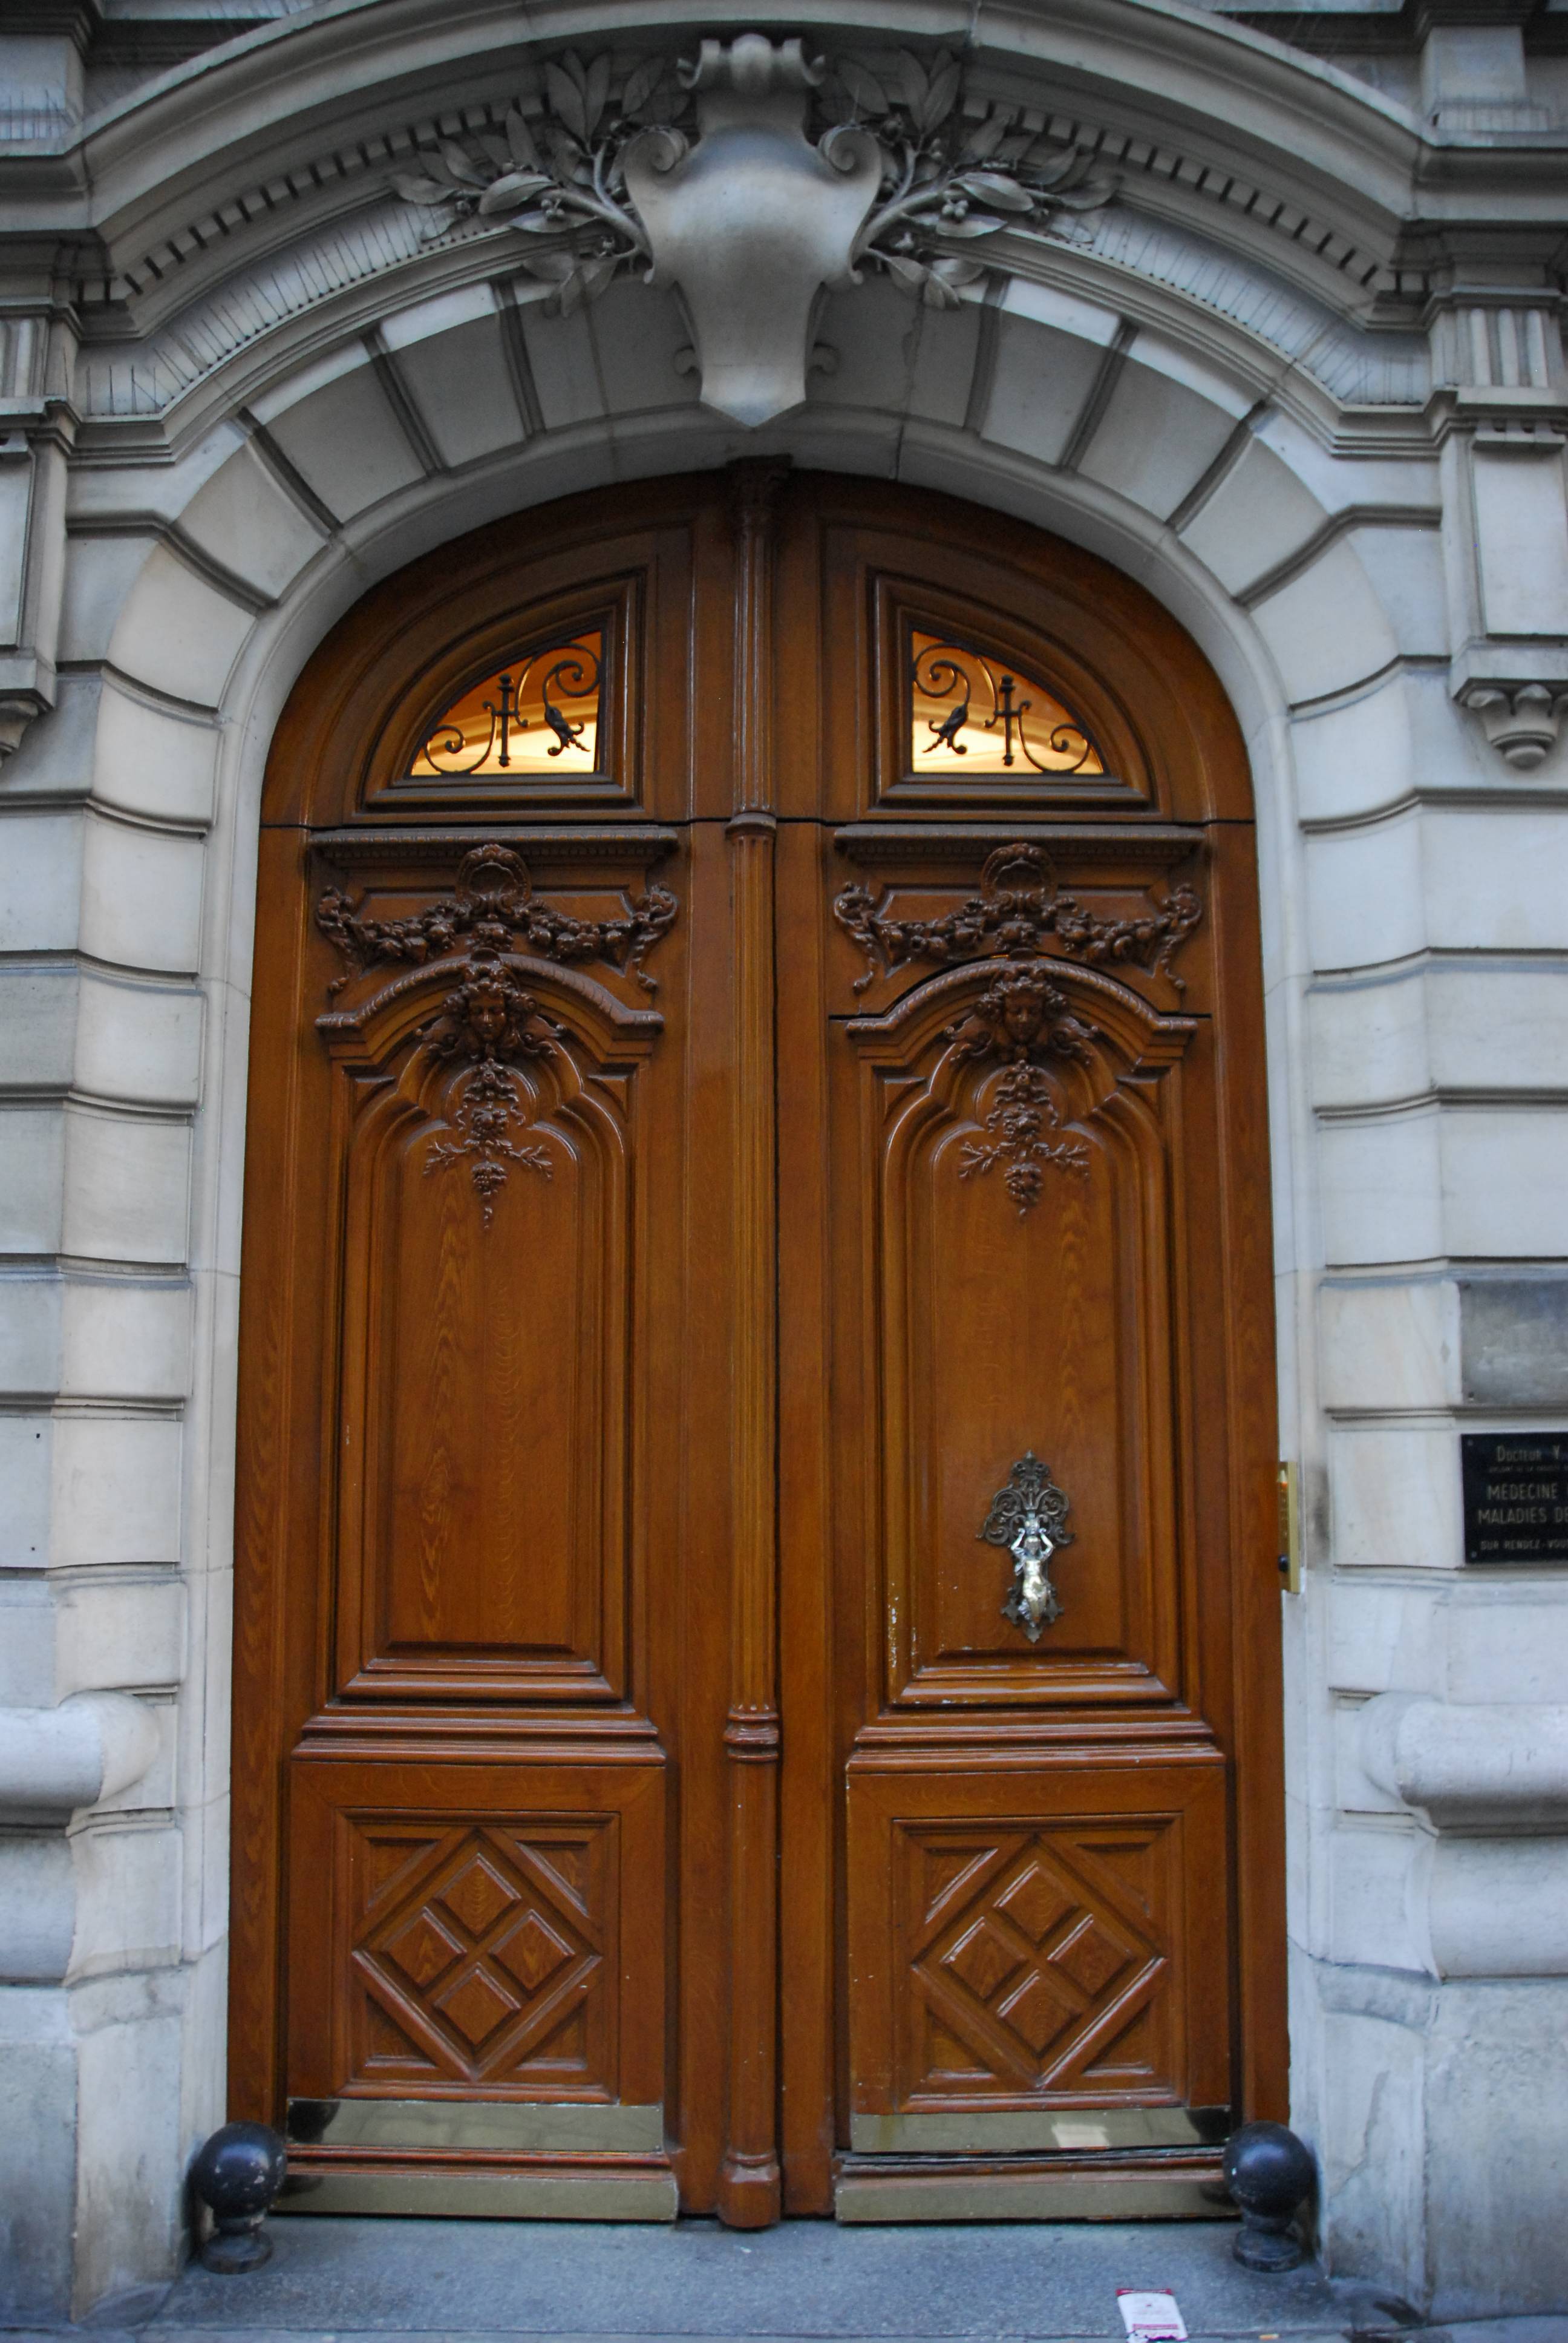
[(989, 2282), (336, 2280)]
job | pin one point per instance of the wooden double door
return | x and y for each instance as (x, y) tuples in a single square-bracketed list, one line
[(757, 1676)]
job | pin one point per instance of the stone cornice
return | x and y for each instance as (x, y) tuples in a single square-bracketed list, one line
[(279, 116)]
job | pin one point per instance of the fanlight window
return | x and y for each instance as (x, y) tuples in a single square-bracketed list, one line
[(538, 714), (972, 714)]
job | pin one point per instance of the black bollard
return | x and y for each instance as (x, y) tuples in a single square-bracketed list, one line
[(237, 2173), (1270, 2174)]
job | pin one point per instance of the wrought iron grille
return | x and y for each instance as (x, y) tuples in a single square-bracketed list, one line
[(536, 710), (972, 713)]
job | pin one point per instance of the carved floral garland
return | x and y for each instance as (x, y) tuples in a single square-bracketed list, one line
[(1021, 1017), (947, 178), (489, 1019)]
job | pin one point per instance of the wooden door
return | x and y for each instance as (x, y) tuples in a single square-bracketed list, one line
[(757, 1679)]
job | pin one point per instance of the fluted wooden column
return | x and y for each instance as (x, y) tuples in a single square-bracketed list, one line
[(749, 2195)]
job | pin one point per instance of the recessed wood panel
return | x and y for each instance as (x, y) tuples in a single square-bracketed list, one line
[(484, 1531), (1035, 1316), (468, 1932), (1021, 1941)]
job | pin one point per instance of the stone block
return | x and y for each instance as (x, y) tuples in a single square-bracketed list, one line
[(1383, 1638), (38, 2103), (870, 333), (131, 2156), (119, 1633), (1492, 879), (1496, 2145), (1382, 1190), (178, 633), (127, 1897), (94, 1338), (40, 880), (1513, 1341), (126, 1188), (151, 760), (1506, 1642), (1158, 435), (1049, 353), (1394, 1494), (637, 336), (346, 444), (138, 1043), (88, 1490), (1505, 1197), (38, 1909), (1366, 901), (1327, 627), (1389, 1345), (100, 573), (141, 897), (564, 361), (1258, 517), (461, 386), (32, 1171), (243, 518), (942, 368), (1373, 2110), (1370, 1038), (1497, 1028), (1404, 566), (38, 1009)]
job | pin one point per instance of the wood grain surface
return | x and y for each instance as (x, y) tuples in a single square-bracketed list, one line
[(677, 1197)]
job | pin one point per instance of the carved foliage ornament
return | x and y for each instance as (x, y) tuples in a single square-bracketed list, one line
[(489, 1020), (1017, 907), (1022, 1018), (752, 179)]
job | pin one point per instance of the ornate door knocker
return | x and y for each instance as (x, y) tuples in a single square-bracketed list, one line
[(1029, 1516)]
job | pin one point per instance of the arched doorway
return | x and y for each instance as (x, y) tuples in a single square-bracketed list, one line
[(756, 1648)]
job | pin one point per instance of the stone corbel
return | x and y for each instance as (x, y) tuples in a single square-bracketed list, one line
[(1505, 526), (1487, 1884), (1522, 720), (37, 430)]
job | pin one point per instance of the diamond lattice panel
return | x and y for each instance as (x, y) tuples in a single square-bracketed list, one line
[(480, 1957), (1033, 1955)]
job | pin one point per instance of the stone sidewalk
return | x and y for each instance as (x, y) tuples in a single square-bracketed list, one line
[(804, 2282)]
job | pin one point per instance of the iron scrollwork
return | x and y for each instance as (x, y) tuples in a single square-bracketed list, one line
[(953, 676), (488, 1018), (572, 673), (1029, 1516)]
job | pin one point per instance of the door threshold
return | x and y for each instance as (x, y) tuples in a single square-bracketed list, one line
[(622, 2188), (1117, 2186)]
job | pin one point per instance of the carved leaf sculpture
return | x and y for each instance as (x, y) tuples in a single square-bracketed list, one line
[(942, 176)]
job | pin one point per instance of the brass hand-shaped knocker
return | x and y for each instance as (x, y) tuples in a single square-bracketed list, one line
[(1029, 1517)]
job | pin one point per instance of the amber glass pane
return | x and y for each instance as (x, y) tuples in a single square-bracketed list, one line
[(538, 715), (973, 714)]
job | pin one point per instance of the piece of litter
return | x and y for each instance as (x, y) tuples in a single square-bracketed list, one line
[(1150, 2317)]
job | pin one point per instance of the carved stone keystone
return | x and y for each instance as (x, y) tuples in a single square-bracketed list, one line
[(753, 223)]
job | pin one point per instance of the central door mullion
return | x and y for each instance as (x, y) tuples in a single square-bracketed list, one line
[(750, 2184)]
